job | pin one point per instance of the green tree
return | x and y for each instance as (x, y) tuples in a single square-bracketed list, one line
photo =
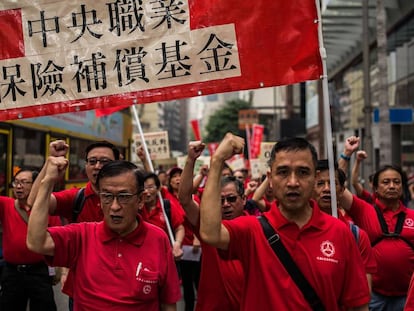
[(226, 120)]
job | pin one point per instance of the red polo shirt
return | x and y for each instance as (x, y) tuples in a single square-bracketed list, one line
[(364, 246), (135, 272), (324, 250), (189, 234), (15, 250), (221, 280), (156, 216), (409, 304), (91, 210), (395, 258)]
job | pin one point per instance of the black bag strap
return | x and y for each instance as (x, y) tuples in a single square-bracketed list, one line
[(290, 266), (167, 208), (385, 231), (78, 204), (384, 227)]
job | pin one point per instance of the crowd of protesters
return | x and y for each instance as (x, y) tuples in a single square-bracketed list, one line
[(135, 239)]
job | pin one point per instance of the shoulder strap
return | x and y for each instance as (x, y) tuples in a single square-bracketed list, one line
[(355, 231), (290, 266), (400, 223), (381, 220), (167, 208), (78, 204), (385, 231)]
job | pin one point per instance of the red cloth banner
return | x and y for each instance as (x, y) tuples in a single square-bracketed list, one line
[(256, 139), (107, 111), (58, 58), (195, 124)]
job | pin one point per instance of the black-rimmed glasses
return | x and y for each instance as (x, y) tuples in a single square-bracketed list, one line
[(17, 182), (92, 161), (122, 198)]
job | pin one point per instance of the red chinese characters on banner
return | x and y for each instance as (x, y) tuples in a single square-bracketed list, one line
[(256, 139), (215, 46)]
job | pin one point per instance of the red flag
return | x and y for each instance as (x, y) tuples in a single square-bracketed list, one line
[(212, 147), (11, 27), (196, 129), (210, 47), (256, 139), (107, 111)]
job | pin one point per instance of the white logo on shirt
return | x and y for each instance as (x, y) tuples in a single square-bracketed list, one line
[(147, 289), (327, 248), (409, 222)]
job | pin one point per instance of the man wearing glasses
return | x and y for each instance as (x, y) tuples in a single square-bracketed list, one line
[(120, 263), (62, 203), (25, 276), (152, 212)]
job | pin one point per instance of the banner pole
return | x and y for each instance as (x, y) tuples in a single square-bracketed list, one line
[(147, 155), (249, 139), (327, 114)]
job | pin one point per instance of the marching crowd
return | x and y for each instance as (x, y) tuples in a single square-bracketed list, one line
[(132, 238)]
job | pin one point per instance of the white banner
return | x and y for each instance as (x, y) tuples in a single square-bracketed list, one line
[(157, 144)]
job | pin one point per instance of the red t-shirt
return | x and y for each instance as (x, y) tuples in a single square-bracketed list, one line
[(364, 246), (189, 234), (394, 257), (15, 250), (268, 203), (91, 210), (135, 272), (324, 250), (156, 216), (409, 303), (367, 196), (221, 279)]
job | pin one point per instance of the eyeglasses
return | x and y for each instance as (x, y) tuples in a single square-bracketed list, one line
[(150, 187), (93, 161), (122, 198), (230, 199), (17, 182)]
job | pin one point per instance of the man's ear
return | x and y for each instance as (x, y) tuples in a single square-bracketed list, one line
[(269, 178)]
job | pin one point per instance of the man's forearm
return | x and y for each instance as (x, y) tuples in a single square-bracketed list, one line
[(37, 235), (355, 178), (210, 207), (35, 187), (185, 192)]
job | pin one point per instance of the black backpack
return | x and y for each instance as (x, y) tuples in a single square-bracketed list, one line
[(78, 204)]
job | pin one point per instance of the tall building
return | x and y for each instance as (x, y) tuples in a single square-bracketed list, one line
[(351, 83)]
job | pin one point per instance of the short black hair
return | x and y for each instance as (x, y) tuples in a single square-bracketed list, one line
[(386, 168), (233, 180), (104, 144), (118, 167), (27, 169), (153, 176), (323, 165), (293, 144)]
